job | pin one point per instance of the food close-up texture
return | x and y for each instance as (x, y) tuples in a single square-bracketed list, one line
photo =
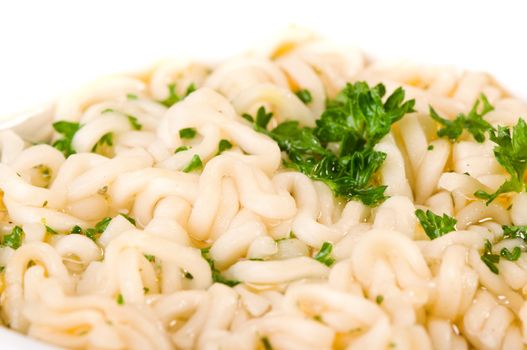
[(302, 196)]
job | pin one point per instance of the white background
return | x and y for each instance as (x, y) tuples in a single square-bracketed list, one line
[(48, 47)]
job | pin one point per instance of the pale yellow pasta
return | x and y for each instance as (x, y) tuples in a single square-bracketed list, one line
[(176, 225)]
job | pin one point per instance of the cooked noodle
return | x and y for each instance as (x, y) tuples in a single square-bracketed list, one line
[(146, 285)]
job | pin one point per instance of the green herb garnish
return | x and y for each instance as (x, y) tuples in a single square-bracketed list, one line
[(473, 122), (173, 97), (67, 130), (120, 299), (127, 217), (511, 153), (224, 145), (513, 232), (490, 259), (187, 133), (434, 225), (181, 149), (106, 139), (50, 230), (324, 254), (216, 274), (14, 239), (92, 233), (195, 163), (134, 122), (188, 275), (355, 122), (261, 120), (304, 95)]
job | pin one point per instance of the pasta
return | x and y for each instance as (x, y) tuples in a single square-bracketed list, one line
[(160, 214)]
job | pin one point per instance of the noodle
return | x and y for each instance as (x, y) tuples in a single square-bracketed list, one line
[(170, 222)]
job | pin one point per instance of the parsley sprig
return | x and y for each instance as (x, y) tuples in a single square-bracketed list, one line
[(511, 152), (434, 225), (473, 122), (509, 232), (355, 121)]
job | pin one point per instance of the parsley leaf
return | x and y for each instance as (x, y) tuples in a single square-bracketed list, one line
[(511, 153), (358, 118), (134, 122), (188, 275), (304, 95), (127, 217), (50, 230), (95, 232), (120, 299), (14, 239), (513, 232), (106, 139), (324, 254), (190, 89), (187, 133), (473, 122), (434, 225), (195, 163), (216, 274), (132, 96), (262, 117), (355, 121), (509, 232), (67, 130), (490, 259), (181, 149), (511, 256), (224, 145), (173, 97)]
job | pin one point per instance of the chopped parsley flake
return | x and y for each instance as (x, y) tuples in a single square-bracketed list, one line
[(173, 97), (181, 149), (134, 122), (224, 145), (106, 139), (324, 254), (434, 225), (304, 95), (187, 133), (195, 164), (67, 130), (216, 274), (14, 239)]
